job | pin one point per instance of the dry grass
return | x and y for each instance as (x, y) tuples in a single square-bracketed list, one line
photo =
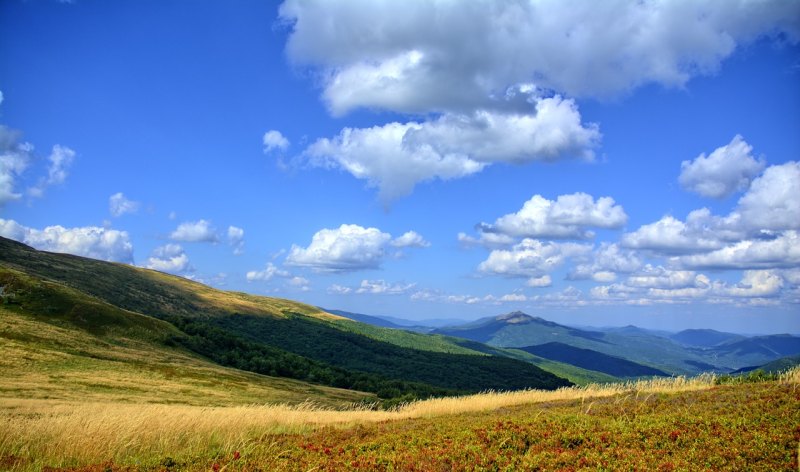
[(42, 431)]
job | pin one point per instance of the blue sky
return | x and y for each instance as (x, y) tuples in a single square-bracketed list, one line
[(595, 164)]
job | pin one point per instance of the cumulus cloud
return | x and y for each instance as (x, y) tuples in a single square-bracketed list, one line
[(343, 249), (530, 258), (118, 205), (782, 251), (661, 285), (381, 287), (88, 241), (672, 236), (565, 218), (61, 159), (728, 169), (337, 289), (605, 262), (772, 203), (15, 156), (397, 156), (760, 233), (539, 282), (410, 239), (299, 282), (274, 140), (169, 258), (269, 272), (236, 239), (444, 55), (195, 231)]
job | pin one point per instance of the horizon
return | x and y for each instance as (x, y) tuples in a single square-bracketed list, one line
[(594, 165)]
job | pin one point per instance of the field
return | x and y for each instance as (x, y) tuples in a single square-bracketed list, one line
[(669, 424)]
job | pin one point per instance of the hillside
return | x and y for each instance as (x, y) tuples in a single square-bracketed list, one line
[(704, 337), (281, 337), (592, 360), (59, 344)]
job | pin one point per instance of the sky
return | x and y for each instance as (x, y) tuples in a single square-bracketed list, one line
[(591, 163)]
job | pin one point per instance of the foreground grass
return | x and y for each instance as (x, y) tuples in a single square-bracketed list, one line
[(668, 424)]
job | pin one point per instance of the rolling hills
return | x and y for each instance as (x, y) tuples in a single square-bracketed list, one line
[(685, 353), (264, 335)]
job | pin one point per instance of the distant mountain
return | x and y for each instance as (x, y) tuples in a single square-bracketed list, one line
[(517, 329), (373, 320), (770, 347), (704, 337), (778, 365), (634, 331), (592, 360)]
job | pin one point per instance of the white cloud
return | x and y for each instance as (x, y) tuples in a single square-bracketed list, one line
[(660, 277), (236, 239), (270, 271), (489, 240), (299, 282), (672, 236), (605, 262), (782, 251), (383, 288), (772, 201), (343, 249), (118, 205), (337, 289), (530, 258), (169, 258), (728, 169), (539, 282), (396, 156), (60, 160), (756, 283), (443, 55), (410, 239), (88, 241), (274, 140), (195, 231), (14, 159), (565, 218)]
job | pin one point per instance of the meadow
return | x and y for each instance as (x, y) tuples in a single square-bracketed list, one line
[(700, 423)]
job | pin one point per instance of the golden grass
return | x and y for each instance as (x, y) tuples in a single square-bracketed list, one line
[(48, 432)]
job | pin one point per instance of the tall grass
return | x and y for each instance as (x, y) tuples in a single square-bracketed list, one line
[(57, 433)]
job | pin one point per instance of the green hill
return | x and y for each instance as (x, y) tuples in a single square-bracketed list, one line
[(59, 344), (274, 336)]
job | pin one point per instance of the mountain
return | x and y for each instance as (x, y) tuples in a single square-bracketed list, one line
[(779, 365), (592, 360), (517, 329), (279, 337), (373, 320), (704, 337), (758, 349)]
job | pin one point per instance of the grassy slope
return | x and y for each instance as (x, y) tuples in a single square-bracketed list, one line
[(58, 343), (662, 425)]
